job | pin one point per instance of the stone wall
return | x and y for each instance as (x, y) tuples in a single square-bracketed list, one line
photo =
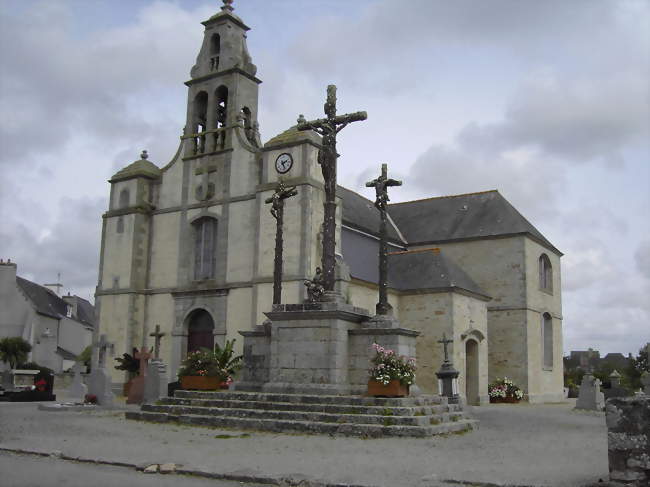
[(628, 440)]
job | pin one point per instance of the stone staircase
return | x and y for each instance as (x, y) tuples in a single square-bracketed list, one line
[(370, 417)]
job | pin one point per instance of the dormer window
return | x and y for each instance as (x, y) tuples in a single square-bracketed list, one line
[(68, 311), (545, 274)]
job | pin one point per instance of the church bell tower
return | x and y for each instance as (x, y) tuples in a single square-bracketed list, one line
[(223, 89)]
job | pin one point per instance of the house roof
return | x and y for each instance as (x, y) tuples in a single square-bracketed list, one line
[(45, 301), (461, 217), (428, 269), (85, 311)]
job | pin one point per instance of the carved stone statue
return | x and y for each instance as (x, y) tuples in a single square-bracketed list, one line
[(315, 288)]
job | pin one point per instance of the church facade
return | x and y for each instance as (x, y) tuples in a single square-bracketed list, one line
[(190, 246)]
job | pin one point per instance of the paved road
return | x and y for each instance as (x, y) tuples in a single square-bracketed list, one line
[(34, 471), (522, 445)]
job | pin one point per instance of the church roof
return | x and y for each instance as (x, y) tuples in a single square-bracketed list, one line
[(45, 301), (428, 269), (140, 168), (292, 135), (360, 213), (461, 217)]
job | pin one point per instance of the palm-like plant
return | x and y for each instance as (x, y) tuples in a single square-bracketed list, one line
[(226, 359), (14, 351)]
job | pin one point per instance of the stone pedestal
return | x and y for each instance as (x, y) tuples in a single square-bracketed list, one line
[(99, 384), (155, 382), (316, 348)]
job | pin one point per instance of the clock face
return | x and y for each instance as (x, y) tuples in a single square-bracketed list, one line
[(283, 163)]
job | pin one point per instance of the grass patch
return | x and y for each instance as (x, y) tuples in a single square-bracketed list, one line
[(434, 421), (419, 413), (387, 412), (388, 422)]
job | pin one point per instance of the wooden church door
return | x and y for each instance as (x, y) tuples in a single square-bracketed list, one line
[(200, 333)]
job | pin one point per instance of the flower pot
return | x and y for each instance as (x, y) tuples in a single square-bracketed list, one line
[(393, 389), (504, 400), (126, 387), (201, 383)]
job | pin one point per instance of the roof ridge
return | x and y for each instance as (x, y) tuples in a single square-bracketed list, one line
[(446, 196), (433, 250)]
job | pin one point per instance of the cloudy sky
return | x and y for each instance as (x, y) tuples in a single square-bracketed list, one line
[(545, 101)]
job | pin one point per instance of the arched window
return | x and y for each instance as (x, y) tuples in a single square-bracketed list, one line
[(547, 341), (124, 198), (545, 273), (215, 50), (200, 121), (205, 244), (222, 106)]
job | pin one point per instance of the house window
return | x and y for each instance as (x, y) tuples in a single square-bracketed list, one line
[(205, 239), (545, 274), (547, 341), (68, 311)]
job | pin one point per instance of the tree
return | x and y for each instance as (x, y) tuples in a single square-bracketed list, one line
[(14, 351)]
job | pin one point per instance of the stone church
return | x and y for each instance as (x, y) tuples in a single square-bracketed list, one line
[(189, 246)]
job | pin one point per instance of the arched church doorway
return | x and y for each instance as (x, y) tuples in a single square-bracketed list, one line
[(200, 331), (471, 372)]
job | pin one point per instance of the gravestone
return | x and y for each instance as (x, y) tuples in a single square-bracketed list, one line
[(99, 382), (77, 390), (590, 397), (136, 392), (645, 380), (23, 385), (155, 382), (615, 389)]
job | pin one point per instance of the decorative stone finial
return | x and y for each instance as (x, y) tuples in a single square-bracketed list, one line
[(227, 6), (144, 155)]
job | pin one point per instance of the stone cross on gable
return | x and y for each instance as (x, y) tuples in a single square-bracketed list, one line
[(327, 155), (277, 210), (157, 336), (102, 345), (445, 341), (381, 185)]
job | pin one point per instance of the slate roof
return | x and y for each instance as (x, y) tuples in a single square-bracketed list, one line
[(85, 312), (45, 301), (461, 217), (360, 213), (428, 269)]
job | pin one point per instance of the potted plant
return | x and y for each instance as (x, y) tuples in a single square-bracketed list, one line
[(390, 374), (131, 365), (210, 370), (504, 390)]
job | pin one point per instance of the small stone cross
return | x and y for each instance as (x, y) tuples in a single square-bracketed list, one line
[(445, 341), (143, 356), (157, 336), (102, 345)]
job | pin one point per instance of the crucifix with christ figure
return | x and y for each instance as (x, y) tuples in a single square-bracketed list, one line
[(381, 185), (157, 336), (277, 211), (328, 128)]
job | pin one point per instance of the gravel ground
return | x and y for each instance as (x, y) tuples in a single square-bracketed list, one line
[(523, 445)]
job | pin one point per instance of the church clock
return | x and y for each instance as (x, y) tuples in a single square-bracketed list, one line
[(283, 163)]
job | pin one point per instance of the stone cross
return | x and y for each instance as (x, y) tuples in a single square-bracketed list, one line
[(381, 185), (445, 341), (102, 345), (157, 336), (277, 210), (143, 356), (328, 128)]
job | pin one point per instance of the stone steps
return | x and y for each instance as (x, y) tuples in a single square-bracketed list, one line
[(310, 427), (341, 408), (421, 416), (387, 418)]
